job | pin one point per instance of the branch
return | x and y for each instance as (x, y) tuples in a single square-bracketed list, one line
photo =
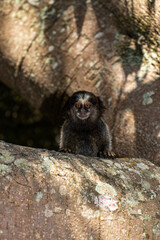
[(50, 195)]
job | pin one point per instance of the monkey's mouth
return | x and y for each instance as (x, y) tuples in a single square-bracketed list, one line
[(83, 116)]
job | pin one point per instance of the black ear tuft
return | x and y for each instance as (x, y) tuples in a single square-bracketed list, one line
[(69, 104), (101, 105), (66, 107)]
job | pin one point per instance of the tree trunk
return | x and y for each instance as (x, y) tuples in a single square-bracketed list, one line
[(50, 49), (49, 195)]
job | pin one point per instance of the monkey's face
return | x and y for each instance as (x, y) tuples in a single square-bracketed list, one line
[(84, 107)]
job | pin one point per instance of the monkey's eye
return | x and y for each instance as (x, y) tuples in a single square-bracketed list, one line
[(78, 105), (88, 105)]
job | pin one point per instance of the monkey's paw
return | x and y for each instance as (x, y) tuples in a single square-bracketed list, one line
[(67, 150), (107, 154)]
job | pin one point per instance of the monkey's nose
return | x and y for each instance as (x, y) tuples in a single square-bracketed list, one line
[(83, 110)]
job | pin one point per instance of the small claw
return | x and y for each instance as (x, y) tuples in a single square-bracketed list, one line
[(107, 154), (68, 150), (111, 154)]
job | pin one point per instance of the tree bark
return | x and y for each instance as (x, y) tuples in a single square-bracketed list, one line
[(50, 49), (50, 195)]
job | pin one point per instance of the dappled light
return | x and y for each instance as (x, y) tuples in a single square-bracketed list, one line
[(58, 193), (51, 49)]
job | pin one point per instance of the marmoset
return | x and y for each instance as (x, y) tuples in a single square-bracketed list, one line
[(84, 131)]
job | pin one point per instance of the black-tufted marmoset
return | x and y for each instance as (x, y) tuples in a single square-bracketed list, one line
[(84, 131)]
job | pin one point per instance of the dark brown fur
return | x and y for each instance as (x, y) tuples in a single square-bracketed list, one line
[(84, 131)]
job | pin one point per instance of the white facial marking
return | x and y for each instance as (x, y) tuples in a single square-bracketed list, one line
[(83, 98)]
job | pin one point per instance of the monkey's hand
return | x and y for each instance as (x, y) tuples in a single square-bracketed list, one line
[(67, 150), (107, 154)]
